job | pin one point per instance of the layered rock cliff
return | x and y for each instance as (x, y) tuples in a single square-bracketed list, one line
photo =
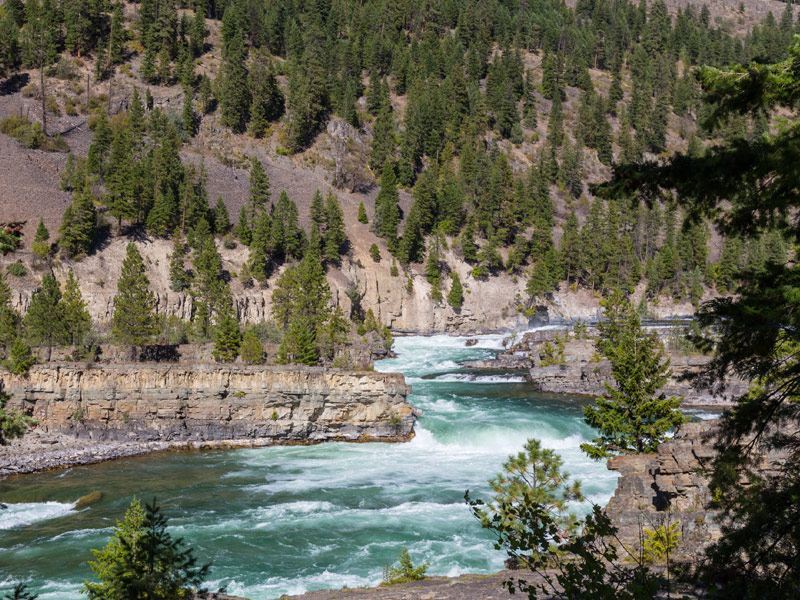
[(583, 372), (672, 486), (211, 403)]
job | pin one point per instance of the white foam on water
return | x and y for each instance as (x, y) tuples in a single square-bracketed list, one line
[(25, 513), (472, 378)]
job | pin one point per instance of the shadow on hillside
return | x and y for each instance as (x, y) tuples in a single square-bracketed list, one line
[(14, 84)]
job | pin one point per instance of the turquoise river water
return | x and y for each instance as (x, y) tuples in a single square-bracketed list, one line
[(284, 520)]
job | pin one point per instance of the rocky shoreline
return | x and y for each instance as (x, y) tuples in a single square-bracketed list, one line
[(555, 362), (38, 452)]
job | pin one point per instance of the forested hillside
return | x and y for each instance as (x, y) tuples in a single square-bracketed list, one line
[(465, 135)]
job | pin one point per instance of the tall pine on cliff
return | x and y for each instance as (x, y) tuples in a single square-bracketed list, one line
[(77, 321), (632, 419), (44, 321), (134, 322)]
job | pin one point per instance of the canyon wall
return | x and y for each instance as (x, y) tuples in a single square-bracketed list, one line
[(143, 402), (672, 486)]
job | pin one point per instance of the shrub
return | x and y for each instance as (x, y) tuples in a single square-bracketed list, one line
[(17, 269), (30, 134), (52, 106), (375, 253), (661, 542), (30, 90), (20, 358), (228, 242), (406, 571)]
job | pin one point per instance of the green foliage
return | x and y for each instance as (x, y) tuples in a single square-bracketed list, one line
[(251, 349), (552, 354), (227, 336), (375, 252), (179, 278), (661, 542), (31, 135), (532, 477), (632, 419), (76, 320), (134, 322), (143, 561), (44, 321), (406, 571), (17, 269), (40, 247), (78, 225), (362, 213), (13, 424), (455, 297), (20, 358)]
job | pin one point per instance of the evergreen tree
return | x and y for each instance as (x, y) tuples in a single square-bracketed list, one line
[(20, 358), (456, 295), (227, 336), (77, 322), (40, 247), (78, 225), (179, 278), (251, 350), (334, 239), (268, 103), (632, 419), (387, 213), (362, 213), (222, 222), (209, 290), (383, 140), (260, 193), (134, 322), (243, 230), (142, 560), (375, 252), (540, 282), (233, 88), (44, 321)]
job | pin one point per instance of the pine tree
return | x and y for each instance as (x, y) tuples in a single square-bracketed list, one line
[(142, 560), (362, 213), (456, 295), (375, 253), (78, 225), (189, 116), (540, 282), (77, 322), (162, 215), (632, 419), (251, 350), (243, 230), (268, 103), (260, 193), (44, 321), (20, 358), (383, 140), (134, 322), (179, 278), (222, 222), (40, 247), (469, 247), (260, 255), (387, 213), (209, 290), (234, 91), (334, 239), (13, 424), (227, 336)]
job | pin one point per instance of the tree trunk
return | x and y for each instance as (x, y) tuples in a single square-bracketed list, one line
[(44, 98)]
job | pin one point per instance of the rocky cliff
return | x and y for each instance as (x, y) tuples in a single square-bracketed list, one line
[(580, 370), (671, 486), (213, 403)]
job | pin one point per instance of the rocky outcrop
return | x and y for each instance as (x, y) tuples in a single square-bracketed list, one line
[(208, 403), (583, 372), (672, 486)]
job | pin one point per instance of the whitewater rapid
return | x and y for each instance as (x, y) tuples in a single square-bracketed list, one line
[(284, 520)]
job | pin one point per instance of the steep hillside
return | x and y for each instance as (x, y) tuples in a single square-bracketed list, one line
[(398, 288)]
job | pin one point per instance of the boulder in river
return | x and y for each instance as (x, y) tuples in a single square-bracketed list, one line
[(471, 342), (88, 500)]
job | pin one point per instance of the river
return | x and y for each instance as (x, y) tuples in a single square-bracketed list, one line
[(284, 520)]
